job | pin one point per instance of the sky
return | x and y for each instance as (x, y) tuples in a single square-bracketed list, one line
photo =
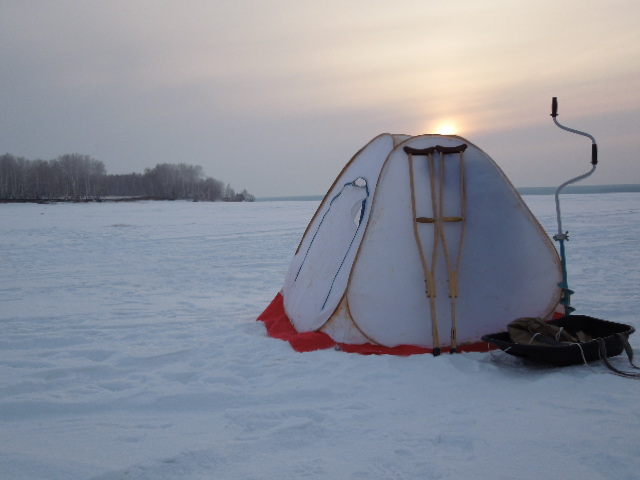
[(275, 97)]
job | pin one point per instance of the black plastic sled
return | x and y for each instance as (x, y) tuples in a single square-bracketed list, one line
[(607, 337)]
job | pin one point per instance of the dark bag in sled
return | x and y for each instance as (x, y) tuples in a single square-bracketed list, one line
[(570, 340)]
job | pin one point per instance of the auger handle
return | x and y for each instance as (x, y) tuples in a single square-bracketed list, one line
[(594, 161), (554, 114)]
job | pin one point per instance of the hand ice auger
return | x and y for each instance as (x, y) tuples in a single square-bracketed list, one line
[(562, 236)]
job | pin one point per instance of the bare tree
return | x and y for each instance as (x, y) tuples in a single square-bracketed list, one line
[(80, 177)]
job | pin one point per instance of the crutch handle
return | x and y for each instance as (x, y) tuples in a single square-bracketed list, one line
[(419, 151), (458, 149)]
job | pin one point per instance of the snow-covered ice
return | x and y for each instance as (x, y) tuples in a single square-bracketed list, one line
[(129, 350)]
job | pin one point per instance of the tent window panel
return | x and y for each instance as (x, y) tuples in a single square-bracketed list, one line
[(333, 240)]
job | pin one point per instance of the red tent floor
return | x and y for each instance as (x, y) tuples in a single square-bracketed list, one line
[(279, 326)]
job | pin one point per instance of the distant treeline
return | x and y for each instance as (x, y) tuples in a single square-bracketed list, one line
[(623, 188), (76, 177)]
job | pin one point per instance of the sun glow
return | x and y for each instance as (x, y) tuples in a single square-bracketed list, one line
[(446, 128)]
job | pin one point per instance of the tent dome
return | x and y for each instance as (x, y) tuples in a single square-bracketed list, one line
[(420, 241)]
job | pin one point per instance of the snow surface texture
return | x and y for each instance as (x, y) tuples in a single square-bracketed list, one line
[(129, 350)]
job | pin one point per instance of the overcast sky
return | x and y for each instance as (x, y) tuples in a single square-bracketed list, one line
[(276, 96)]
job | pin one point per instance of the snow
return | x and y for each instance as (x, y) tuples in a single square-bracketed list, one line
[(129, 350)]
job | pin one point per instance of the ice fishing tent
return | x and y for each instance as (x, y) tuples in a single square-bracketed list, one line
[(421, 242)]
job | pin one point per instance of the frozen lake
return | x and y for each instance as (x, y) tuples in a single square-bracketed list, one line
[(129, 350)]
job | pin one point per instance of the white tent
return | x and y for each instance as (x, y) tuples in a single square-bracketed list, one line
[(420, 241)]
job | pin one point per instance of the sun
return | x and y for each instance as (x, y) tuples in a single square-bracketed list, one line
[(446, 128)]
